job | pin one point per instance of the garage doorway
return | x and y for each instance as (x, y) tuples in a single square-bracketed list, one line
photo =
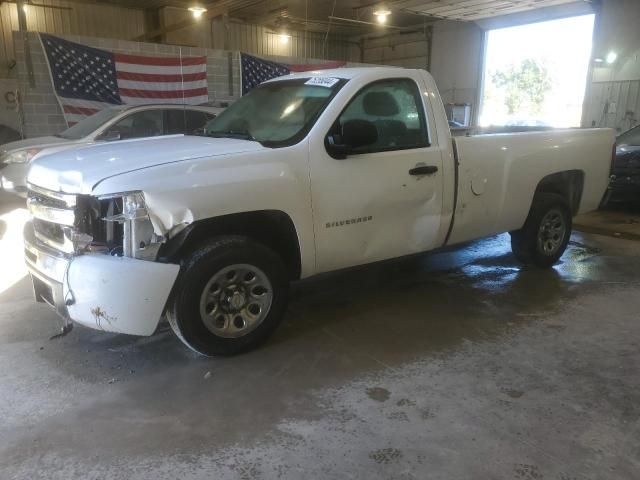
[(536, 74)]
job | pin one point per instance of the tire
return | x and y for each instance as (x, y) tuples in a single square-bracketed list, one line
[(230, 296), (546, 232)]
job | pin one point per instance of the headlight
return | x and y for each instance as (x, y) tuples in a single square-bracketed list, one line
[(129, 220), (133, 207), (21, 156)]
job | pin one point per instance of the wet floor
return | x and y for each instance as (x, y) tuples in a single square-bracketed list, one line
[(453, 365)]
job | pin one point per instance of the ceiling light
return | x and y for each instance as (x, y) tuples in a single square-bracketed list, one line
[(284, 38), (611, 57), (197, 11), (382, 14), (25, 8), (598, 60)]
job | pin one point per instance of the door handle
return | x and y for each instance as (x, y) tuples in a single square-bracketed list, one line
[(423, 170)]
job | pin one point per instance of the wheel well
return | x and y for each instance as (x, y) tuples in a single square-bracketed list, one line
[(273, 228), (569, 184)]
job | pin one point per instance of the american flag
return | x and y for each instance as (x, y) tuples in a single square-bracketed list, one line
[(88, 79), (256, 70)]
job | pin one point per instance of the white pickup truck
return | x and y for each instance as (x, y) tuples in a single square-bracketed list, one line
[(308, 173)]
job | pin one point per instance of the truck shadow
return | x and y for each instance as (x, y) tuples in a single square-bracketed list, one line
[(421, 306)]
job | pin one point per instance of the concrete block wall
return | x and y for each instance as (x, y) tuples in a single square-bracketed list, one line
[(40, 109), (41, 112)]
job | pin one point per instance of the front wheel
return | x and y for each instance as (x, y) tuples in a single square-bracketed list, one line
[(545, 235), (230, 296)]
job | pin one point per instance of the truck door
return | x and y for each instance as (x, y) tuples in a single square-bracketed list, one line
[(384, 199)]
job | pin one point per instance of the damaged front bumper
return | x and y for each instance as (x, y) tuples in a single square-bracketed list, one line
[(98, 290)]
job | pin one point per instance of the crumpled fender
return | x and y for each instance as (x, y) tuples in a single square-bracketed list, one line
[(181, 193)]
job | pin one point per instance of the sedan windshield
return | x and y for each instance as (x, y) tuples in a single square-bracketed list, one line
[(90, 124), (276, 114)]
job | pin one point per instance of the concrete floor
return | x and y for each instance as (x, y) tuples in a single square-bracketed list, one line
[(618, 220), (457, 365)]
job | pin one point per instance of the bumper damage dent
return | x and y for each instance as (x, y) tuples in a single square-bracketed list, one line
[(113, 294)]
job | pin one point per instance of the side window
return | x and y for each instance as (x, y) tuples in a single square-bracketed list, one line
[(395, 109), (175, 121), (196, 121), (148, 123)]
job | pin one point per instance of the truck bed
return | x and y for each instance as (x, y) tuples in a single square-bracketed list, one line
[(497, 175)]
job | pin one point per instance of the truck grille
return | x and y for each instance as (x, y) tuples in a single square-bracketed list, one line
[(50, 230), (51, 199), (54, 217), (71, 223)]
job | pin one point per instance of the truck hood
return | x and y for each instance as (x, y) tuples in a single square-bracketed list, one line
[(78, 170), (38, 142)]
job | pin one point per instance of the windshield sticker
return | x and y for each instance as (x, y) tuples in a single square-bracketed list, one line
[(327, 82)]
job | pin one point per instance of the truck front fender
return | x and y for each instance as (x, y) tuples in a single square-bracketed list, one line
[(183, 193)]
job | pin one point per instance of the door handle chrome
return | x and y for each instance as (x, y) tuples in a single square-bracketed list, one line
[(423, 170)]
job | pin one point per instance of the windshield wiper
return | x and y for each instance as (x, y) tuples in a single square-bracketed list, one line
[(244, 135)]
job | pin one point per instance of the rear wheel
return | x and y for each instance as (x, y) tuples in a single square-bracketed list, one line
[(230, 296), (545, 235)]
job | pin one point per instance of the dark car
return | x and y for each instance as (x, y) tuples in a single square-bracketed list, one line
[(625, 178)]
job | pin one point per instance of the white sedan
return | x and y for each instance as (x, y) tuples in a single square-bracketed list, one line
[(114, 123)]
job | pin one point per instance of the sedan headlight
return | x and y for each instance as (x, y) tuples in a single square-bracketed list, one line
[(20, 156)]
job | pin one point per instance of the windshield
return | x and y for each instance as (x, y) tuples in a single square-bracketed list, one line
[(90, 124), (630, 137), (276, 114)]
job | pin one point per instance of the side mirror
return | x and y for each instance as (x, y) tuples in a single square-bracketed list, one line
[(110, 136), (355, 133)]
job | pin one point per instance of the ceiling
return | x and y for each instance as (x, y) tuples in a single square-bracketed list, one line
[(350, 17), (469, 10)]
